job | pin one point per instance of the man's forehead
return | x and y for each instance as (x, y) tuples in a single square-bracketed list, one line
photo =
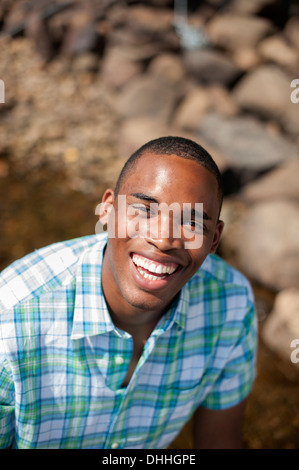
[(167, 169)]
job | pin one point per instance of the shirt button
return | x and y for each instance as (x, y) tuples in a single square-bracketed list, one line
[(114, 445), (119, 360)]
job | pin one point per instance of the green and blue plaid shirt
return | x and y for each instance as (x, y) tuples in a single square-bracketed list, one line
[(62, 360)]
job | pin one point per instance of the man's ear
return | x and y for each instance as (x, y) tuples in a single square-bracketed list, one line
[(217, 235), (105, 207)]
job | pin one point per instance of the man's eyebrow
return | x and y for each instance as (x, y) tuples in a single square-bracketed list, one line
[(145, 197), (195, 213)]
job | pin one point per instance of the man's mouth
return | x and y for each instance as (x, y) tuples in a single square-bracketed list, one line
[(153, 270)]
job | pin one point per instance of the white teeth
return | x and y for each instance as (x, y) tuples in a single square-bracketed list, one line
[(149, 276), (159, 269), (153, 267)]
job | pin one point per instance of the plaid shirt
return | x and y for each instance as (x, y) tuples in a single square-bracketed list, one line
[(62, 360)]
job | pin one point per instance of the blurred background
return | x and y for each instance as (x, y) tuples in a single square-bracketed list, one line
[(88, 82)]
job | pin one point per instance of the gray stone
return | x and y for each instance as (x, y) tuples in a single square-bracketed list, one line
[(280, 331), (167, 67), (194, 106), (135, 131), (232, 31), (276, 49), (147, 96), (210, 66), (292, 31), (82, 39), (118, 68), (253, 7), (282, 183), (264, 91), (268, 244), (246, 142), (37, 31)]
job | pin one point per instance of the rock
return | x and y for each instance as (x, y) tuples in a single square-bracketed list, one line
[(222, 101), (167, 67), (246, 142), (280, 331), (160, 3), (232, 31), (246, 58), (290, 119), (194, 106), (281, 183), (37, 32), (266, 243), (253, 7), (145, 95), (276, 49), (15, 16), (266, 91), (140, 26), (291, 31), (81, 39), (136, 131), (118, 68), (210, 66), (87, 62), (233, 210)]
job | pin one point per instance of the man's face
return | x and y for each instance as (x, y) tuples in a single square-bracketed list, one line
[(144, 273)]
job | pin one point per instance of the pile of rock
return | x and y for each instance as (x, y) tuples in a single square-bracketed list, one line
[(87, 82)]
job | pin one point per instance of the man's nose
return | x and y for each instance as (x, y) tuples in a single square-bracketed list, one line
[(165, 235), (165, 244)]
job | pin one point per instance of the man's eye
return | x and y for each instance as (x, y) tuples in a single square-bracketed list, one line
[(141, 209), (194, 226)]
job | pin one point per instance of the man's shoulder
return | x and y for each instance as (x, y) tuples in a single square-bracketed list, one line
[(217, 269), (220, 278), (222, 294), (44, 269)]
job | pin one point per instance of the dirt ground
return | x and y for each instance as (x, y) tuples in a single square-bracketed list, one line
[(41, 208)]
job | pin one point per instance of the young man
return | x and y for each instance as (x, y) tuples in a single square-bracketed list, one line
[(116, 340)]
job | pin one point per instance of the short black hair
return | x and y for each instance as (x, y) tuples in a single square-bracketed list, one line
[(179, 146)]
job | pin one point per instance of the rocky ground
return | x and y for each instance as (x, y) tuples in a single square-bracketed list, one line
[(86, 83)]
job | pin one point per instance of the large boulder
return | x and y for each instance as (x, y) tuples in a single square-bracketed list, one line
[(233, 31), (210, 66), (119, 68), (193, 107), (278, 50), (266, 92), (246, 142), (282, 183), (145, 95), (280, 331), (253, 7), (265, 244)]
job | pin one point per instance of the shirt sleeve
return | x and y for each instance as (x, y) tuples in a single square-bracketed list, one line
[(7, 409), (236, 379)]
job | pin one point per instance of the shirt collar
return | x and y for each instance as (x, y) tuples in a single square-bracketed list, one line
[(91, 315)]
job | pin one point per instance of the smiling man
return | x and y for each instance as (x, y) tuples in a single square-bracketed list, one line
[(116, 340)]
